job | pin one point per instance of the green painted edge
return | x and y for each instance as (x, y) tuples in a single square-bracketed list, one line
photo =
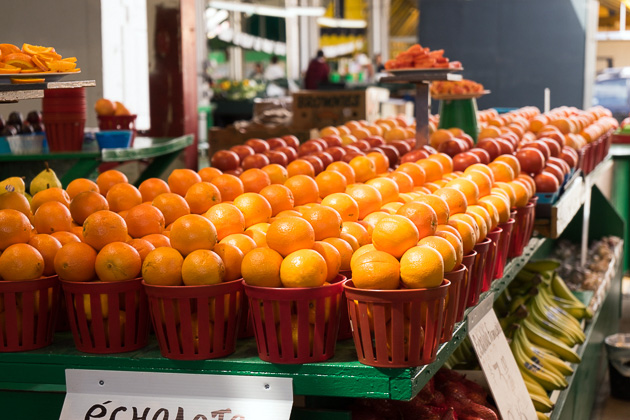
[(159, 149)]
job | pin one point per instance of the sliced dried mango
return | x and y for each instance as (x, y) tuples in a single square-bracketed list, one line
[(61, 66)]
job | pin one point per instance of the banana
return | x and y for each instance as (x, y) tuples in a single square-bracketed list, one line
[(547, 379), (545, 360), (542, 404), (519, 301), (542, 339), (545, 297), (542, 266), (554, 324), (560, 289), (533, 387), (542, 416)]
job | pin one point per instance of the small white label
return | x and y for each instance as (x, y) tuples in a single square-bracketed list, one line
[(498, 364), (117, 395)]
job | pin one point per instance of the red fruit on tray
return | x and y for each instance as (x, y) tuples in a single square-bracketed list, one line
[(556, 171), (278, 157), (351, 155), (482, 154), (332, 140), (490, 146), (453, 147), (532, 160), (402, 146), (255, 161), (464, 160), (291, 141), (546, 183), (325, 157), (554, 147), (375, 141), (413, 156), (290, 152), (467, 139), (336, 152), (225, 160), (317, 163), (505, 146), (259, 145), (429, 149), (392, 154), (242, 151), (561, 163), (276, 142), (570, 156), (540, 146), (309, 148)]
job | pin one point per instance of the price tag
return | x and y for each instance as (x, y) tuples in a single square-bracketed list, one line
[(116, 395), (498, 365)]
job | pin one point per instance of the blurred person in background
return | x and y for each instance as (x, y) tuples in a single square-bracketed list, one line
[(276, 77), (317, 72)]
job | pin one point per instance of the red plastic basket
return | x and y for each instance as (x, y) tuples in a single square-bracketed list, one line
[(245, 327), (491, 258), (396, 328), (116, 319), (469, 262), (478, 270), (503, 247), (453, 304), (26, 321), (521, 231), (64, 135), (118, 122), (196, 322), (345, 329), (64, 93), (296, 325)]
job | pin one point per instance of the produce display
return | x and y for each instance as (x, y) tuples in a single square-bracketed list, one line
[(16, 124), (455, 88), (34, 59), (106, 108), (417, 57)]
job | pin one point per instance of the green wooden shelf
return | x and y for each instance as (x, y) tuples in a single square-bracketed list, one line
[(342, 376)]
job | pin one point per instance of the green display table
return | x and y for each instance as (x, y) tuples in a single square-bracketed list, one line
[(161, 150)]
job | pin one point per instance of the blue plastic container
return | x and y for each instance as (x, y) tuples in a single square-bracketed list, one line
[(114, 139), (4, 146)]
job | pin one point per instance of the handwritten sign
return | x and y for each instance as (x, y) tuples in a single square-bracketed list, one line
[(498, 364), (116, 395)]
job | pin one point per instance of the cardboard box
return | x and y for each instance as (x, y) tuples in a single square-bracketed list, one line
[(318, 109)]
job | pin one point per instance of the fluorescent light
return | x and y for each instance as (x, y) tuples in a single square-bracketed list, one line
[(254, 9), (341, 23)]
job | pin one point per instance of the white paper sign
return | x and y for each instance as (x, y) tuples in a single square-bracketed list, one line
[(498, 364), (116, 395)]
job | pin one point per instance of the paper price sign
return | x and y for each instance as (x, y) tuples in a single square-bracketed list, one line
[(115, 395), (498, 364)]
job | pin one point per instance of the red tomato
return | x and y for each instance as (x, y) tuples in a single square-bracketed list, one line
[(491, 146), (276, 142), (532, 160), (375, 141), (556, 171), (278, 157), (546, 182), (292, 141), (452, 147), (309, 148), (482, 154), (464, 160), (554, 147), (540, 146), (225, 160), (255, 161), (242, 151), (259, 145), (332, 140), (290, 153)]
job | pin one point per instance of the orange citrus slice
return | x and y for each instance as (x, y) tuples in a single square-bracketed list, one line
[(36, 49), (77, 70), (6, 49), (20, 60), (12, 70), (18, 81), (39, 63), (61, 66), (49, 56), (70, 59), (33, 70)]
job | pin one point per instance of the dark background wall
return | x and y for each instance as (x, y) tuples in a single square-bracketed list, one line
[(516, 48)]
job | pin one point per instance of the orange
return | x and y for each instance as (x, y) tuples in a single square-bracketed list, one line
[(376, 270), (456, 242), (512, 161), (492, 209), (258, 233), (277, 173), (49, 194), (202, 267), (444, 160), (466, 232), (142, 246), (104, 227), (344, 169), (226, 218), (468, 219), (381, 162), (468, 187), (445, 248), (105, 107), (172, 206), (261, 267), (229, 186), (448, 228), (421, 215), (362, 250), (438, 204), (280, 198), (181, 179), (255, 208), (506, 190), (152, 187), (16, 201), (48, 246), (484, 214), (232, 258), (502, 171), (392, 207), (367, 197), (14, 228), (108, 179), (329, 131), (326, 221), (346, 206), (80, 185), (67, 237), (501, 204), (201, 196), (330, 182), (522, 193), (387, 187), (372, 219), (241, 241), (455, 199), (481, 223), (143, 220), (21, 262), (303, 268), (163, 267), (300, 167), (86, 203), (403, 180), (288, 234), (432, 169), (364, 168), (440, 136), (20, 60), (117, 261), (192, 232), (157, 240), (208, 173), (358, 231), (75, 262), (6, 49), (415, 171), (123, 197), (395, 235), (344, 249), (254, 180), (52, 216), (304, 189), (422, 267), (483, 181), (360, 133), (354, 243), (529, 180)]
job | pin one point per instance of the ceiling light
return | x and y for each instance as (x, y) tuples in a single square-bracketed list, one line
[(341, 23), (251, 8)]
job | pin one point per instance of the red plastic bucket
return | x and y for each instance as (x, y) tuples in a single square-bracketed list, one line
[(345, 329), (107, 317), (245, 327), (491, 258), (521, 232), (296, 325), (27, 322), (396, 328), (118, 122), (469, 262), (503, 247), (196, 322), (64, 93), (453, 305), (478, 270), (64, 136)]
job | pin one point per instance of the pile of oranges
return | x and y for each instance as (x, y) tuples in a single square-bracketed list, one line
[(34, 59)]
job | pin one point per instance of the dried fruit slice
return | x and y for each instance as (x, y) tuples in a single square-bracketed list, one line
[(70, 59), (20, 60), (39, 63), (49, 56), (33, 70), (20, 81), (36, 49), (6, 49), (61, 66)]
